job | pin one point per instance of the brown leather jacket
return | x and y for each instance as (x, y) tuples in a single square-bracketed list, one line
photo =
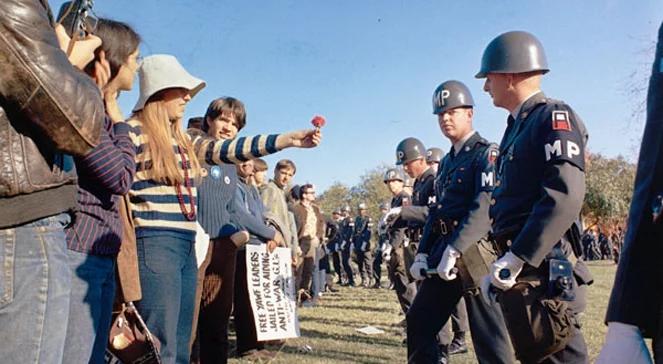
[(47, 108)]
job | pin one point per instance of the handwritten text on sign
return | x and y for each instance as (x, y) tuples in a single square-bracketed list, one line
[(272, 292)]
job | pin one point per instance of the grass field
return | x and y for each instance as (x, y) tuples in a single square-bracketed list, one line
[(330, 328)]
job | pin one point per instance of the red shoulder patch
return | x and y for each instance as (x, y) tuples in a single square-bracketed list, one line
[(492, 156), (560, 120)]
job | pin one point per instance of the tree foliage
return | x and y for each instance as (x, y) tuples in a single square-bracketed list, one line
[(609, 189), (370, 190)]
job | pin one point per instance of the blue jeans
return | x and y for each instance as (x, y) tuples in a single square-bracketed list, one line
[(34, 291), (90, 307), (168, 272)]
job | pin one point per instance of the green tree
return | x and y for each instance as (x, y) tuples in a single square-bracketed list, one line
[(609, 189), (334, 197), (372, 191)]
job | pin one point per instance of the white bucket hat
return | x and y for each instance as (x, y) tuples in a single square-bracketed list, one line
[(161, 71)]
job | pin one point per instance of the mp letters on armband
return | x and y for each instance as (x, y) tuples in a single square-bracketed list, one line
[(488, 175), (563, 142)]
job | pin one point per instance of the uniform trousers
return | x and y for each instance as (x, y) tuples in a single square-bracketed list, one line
[(365, 265), (431, 309), (377, 267), (336, 261), (456, 324), (405, 288), (575, 352), (345, 260)]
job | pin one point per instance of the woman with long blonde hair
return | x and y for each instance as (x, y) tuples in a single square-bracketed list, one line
[(163, 195)]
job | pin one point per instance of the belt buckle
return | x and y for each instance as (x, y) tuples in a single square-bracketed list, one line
[(443, 227)]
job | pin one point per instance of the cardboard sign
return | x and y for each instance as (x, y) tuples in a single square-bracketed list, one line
[(271, 287)]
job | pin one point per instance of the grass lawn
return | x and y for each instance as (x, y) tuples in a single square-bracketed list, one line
[(329, 329)]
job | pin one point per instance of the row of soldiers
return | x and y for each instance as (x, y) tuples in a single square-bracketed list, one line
[(497, 225)]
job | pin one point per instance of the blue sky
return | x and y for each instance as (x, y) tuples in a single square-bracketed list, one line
[(370, 67)]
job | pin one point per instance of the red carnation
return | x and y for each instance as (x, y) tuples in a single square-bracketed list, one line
[(318, 121)]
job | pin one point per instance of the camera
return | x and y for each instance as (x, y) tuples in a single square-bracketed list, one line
[(77, 18)]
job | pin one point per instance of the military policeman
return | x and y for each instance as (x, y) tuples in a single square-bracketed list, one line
[(453, 233), (334, 244), (347, 229), (361, 239), (381, 248), (398, 271), (411, 154), (536, 203), (459, 315), (433, 158)]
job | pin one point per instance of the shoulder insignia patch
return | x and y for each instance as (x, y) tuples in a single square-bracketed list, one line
[(560, 120), (492, 156)]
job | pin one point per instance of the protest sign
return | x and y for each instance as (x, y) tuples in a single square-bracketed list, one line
[(271, 287)]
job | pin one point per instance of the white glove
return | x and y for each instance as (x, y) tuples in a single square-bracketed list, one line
[(447, 263), (420, 262), (623, 344), (392, 214), (344, 244), (509, 262), (363, 246)]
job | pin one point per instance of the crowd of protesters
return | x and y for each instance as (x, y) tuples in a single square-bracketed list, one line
[(118, 183)]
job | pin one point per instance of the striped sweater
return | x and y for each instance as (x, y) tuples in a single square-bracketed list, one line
[(155, 207)]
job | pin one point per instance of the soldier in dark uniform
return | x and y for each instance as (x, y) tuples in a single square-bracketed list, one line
[(411, 154), (383, 241), (334, 244), (459, 324), (361, 240), (403, 284), (347, 229), (536, 203), (455, 231), (326, 278), (434, 157), (635, 304)]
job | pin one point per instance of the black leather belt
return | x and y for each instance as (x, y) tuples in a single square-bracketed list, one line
[(504, 239)]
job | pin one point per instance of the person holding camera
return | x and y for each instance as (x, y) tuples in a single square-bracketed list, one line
[(49, 111)]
